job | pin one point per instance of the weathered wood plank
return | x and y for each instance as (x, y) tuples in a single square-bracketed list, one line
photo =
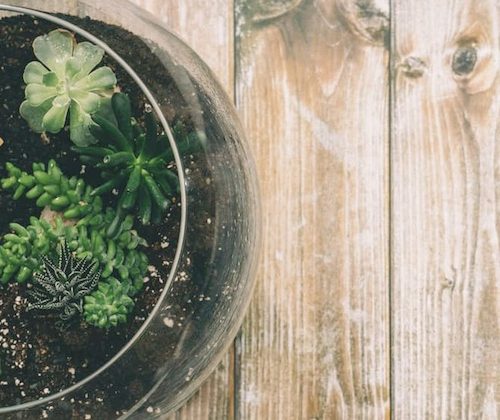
[(445, 211), (213, 400), (209, 31), (206, 27), (312, 89)]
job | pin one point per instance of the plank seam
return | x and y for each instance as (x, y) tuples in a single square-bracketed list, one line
[(391, 101), (236, 365)]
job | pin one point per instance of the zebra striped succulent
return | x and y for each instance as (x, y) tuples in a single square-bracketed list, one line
[(62, 284)]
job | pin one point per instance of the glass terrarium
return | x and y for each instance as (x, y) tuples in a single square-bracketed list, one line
[(128, 226)]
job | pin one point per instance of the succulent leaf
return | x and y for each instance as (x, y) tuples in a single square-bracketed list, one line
[(88, 56), (54, 49), (55, 118), (34, 73)]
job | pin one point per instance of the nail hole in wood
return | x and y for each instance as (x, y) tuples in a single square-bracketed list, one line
[(464, 60)]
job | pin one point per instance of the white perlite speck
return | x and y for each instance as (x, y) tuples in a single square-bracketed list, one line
[(169, 322)]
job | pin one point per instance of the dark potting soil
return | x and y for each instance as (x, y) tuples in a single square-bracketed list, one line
[(36, 358)]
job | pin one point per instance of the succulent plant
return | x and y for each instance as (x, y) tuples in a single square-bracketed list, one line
[(49, 187), (109, 305), (64, 81), (62, 284), (21, 250), (135, 162), (118, 257)]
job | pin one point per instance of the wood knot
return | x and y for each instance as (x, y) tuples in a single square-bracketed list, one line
[(374, 21), (365, 20), (474, 58), (262, 11), (464, 60), (413, 67)]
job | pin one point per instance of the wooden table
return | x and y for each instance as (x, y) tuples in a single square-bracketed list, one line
[(374, 126)]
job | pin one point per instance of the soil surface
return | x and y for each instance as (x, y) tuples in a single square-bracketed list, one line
[(36, 358)]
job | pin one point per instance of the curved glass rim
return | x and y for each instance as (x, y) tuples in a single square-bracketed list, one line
[(180, 172)]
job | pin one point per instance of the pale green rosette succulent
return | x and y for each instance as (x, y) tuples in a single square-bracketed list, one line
[(64, 81), (109, 305)]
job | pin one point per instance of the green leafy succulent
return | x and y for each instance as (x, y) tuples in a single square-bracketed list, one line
[(24, 255), (49, 187), (135, 162), (62, 81), (109, 305), (62, 284), (21, 250)]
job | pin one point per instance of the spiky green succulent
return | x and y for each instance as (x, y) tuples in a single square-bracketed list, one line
[(109, 305), (63, 283), (64, 81), (134, 162), (86, 234)]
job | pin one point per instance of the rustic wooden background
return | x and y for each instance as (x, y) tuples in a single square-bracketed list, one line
[(374, 127)]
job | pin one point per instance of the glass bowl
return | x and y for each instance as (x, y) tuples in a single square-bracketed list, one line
[(210, 276)]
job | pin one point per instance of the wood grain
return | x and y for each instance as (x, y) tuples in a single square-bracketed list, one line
[(445, 213), (209, 31), (312, 89), (363, 198)]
